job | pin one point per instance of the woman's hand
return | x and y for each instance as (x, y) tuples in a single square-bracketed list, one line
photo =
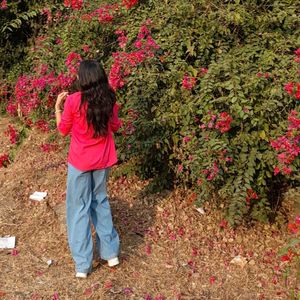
[(60, 98)]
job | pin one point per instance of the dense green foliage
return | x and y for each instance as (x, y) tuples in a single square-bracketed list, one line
[(19, 22), (240, 55)]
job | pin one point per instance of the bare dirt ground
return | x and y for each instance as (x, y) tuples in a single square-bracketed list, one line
[(168, 249)]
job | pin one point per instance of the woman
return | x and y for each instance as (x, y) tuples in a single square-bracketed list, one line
[(91, 117)]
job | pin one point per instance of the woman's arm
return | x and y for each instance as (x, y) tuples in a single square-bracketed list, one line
[(58, 106), (64, 121)]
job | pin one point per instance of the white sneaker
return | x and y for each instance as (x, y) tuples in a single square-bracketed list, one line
[(113, 262), (81, 275)]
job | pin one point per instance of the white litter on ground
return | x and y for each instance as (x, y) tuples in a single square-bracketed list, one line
[(200, 210), (7, 242), (38, 196), (239, 261), (49, 262)]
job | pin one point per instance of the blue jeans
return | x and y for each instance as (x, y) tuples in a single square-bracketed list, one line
[(87, 202)]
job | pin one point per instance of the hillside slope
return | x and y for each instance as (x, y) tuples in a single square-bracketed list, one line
[(169, 250)]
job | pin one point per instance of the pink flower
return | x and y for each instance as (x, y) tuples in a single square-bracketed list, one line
[(148, 249), (12, 133), (285, 258), (42, 125), (14, 252), (4, 160), (75, 4), (73, 61), (297, 52), (85, 48), (180, 231), (55, 296), (251, 195), (186, 139), (172, 236), (122, 38), (212, 279), (289, 88), (88, 292), (204, 70), (223, 122), (58, 41), (129, 3), (294, 122), (293, 228), (108, 285), (138, 44), (228, 159), (104, 15), (127, 291), (223, 224), (125, 62), (297, 94), (194, 251), (188, 82), (297, 219), (48, 147), (179, 168), (276, 170), (286, 170), (3, 5)]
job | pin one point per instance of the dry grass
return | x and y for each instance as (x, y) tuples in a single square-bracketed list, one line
[(168, 248)]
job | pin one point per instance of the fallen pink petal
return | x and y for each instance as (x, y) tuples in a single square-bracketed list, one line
[(14, 252)]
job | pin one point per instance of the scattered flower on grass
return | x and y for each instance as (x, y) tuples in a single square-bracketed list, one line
[(48, 147), (108, 284), (223, 224), (88, 292), (128, 291), (148, 249), (55, 296), (212, 279), (14, 252), (12, 133), (4, 160)]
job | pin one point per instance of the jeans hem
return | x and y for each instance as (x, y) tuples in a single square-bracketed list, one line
[(87, 271), (110, 257)]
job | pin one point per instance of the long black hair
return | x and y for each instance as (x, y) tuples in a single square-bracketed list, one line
[(97, 93)]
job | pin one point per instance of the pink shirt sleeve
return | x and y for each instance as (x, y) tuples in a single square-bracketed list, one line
[(115, 122), (66, 122)]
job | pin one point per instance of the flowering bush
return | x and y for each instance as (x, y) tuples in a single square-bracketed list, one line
[(212, 102)]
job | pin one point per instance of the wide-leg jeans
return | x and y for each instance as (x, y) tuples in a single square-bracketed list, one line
[(87, 202)]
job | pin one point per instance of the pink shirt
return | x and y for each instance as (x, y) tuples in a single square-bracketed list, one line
[(87, 153)]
